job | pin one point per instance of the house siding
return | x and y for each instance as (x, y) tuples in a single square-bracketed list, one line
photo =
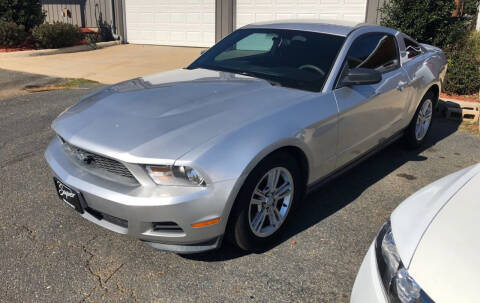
[(83, 13), (373, 15)]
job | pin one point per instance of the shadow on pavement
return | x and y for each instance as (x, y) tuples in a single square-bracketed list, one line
[(339, 192)]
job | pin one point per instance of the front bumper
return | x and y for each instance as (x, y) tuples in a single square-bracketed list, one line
[(136, 209), (368, 286)]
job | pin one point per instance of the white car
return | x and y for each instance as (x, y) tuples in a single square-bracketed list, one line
[(429, 249)]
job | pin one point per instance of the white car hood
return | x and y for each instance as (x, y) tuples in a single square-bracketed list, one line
[(411, 219), (446, 263)]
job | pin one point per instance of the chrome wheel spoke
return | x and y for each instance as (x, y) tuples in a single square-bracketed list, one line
[(260, 194), (418, 129), (259, 220), (273, 219), (277, 214), (272, 180), (257, 201), (282, 191)]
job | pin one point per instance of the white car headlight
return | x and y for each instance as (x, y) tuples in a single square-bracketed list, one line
[(175, 175), (398, 284)]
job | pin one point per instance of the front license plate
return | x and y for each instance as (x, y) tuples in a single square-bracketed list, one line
[(68, 195)]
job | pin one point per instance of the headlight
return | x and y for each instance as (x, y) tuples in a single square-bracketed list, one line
[(175, 175), (399, 286)]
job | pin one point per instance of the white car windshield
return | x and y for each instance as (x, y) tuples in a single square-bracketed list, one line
[(290, 58)]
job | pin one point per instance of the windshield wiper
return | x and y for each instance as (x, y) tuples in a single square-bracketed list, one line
[(254, 75), (243, 73)]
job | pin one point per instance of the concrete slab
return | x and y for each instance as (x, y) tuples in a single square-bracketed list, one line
[(108, 65)]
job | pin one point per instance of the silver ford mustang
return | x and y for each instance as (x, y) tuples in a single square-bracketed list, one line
[(228, 146)]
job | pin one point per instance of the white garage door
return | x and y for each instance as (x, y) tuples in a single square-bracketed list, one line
[(249, 11), (171, 22)]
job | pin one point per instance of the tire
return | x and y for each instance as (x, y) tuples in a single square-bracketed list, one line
[(414, 137), (247, 209)]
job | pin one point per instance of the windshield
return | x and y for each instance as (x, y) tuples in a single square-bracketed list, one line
[(290, 58)]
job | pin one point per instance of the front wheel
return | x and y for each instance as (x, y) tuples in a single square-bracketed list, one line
[(265, 201), (421, 123)]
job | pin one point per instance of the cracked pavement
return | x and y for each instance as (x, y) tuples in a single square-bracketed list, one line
[(49, 253)]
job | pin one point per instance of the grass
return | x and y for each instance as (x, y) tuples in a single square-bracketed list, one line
[(73, 83), (77, 83)]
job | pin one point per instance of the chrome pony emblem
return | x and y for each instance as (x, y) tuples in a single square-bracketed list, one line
[(82, 157)]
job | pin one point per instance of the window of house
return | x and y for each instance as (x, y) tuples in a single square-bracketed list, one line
[(375, 51)]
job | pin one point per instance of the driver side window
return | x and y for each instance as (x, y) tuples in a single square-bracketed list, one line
[(376, 51)]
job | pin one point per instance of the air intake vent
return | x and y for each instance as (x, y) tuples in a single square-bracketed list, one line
[(103, 216), (166, 227)]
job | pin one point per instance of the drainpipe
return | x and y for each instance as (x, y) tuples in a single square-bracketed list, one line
[(114, 21)]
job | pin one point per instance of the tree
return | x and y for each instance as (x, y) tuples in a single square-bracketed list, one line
[(434, 22), (429, 21), (470, 7), (22, 12)]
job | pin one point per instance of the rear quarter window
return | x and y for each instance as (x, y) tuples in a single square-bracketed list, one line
[(412, 48)]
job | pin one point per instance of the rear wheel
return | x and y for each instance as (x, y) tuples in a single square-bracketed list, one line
[(421, 123), (265, 202)]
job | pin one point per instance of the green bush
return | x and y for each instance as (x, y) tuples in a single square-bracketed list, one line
[(12, 34), (56, 35), (463, 74), (431, 21), (22, 12), (428, 21), (470, 7), (92, 38), (475, 40)]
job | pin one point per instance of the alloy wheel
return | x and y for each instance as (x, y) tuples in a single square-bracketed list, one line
[(424, 119), (270, 202)]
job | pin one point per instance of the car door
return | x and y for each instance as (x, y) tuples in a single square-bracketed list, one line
[(370, 114)]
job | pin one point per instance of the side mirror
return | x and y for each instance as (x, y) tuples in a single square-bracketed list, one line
[(360, 76)]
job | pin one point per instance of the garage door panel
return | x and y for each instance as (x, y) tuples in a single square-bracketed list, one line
[(171, 22), (250, 11)]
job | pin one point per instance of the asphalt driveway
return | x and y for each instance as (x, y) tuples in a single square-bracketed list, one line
[(49, 253)]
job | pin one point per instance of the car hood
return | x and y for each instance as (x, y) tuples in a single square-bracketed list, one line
[(435, 234), (446, 262), (156, 119)]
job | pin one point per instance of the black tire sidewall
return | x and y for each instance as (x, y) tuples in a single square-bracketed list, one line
[(240, 231)]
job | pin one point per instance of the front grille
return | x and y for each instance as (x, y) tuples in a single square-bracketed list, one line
[(94, 162)]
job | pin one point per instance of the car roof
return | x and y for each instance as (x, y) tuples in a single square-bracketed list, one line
[(334, 27)]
